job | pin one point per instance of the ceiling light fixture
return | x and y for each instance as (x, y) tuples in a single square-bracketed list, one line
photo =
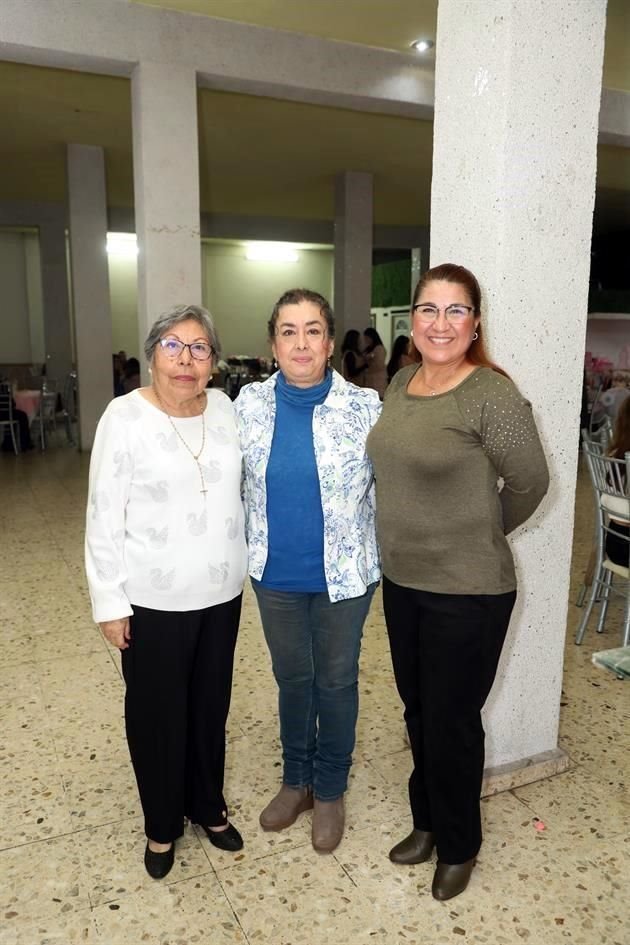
[(422, 45), (271, 252)]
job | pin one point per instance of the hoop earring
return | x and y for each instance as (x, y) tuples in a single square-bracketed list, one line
[(475, 335)]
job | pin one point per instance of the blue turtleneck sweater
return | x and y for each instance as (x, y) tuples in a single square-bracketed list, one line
[(295, 521)]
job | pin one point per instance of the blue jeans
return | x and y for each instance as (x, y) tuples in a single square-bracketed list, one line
[(315, 646)]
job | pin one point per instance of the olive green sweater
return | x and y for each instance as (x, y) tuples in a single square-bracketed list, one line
[(441, 514)]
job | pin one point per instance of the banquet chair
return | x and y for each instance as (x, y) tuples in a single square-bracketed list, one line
[(610, 479), (599, 444), (6, 417), (69, 405), (45, 419)]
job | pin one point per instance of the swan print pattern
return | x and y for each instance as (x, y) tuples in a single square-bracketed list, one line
[(152, 538)]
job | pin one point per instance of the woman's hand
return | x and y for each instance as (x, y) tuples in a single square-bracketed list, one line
[(118, 632)]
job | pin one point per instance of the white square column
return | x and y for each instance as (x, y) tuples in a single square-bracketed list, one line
[(516, 115), (87, 205), (353, 252), (166, 184), (55, 300)]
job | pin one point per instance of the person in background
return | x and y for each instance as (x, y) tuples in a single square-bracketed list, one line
[(400, 356), (165, 561), (617, 543), (117, 371), (25, 443), (450, 430), (618, 392), (375, 356), (131, 375), (313, 557), (353, 364)]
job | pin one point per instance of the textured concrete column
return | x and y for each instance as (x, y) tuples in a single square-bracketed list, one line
[(417, 265), (353, 252), (517, 102), (56, 302), (90, 285), (166, 184)]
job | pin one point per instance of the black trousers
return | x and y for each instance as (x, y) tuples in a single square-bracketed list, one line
[(178, 674), (445, 650)]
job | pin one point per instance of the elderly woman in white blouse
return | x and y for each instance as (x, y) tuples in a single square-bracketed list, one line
[(166, 560)]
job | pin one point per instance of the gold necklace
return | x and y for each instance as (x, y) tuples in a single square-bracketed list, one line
[(433, 391), (195, 456)]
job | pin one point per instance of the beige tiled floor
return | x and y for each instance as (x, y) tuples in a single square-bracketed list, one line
[(71, 838)]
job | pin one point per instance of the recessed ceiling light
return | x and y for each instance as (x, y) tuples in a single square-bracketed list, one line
[(422, 45)]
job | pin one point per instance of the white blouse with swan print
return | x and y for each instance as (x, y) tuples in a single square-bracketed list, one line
[(153, 538), (346, 480)]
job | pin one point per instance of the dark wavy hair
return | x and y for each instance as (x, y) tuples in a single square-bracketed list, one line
[(294, 297), (374, 338)]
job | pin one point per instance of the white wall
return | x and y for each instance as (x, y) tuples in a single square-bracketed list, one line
[(123, 292), (15, 343), (33, 279), (241, 294)]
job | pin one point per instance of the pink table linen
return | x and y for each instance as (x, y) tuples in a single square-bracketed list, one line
[(28, 401)]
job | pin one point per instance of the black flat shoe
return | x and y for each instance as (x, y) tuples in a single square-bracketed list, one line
[(451, 879), (416, 848), (158, 865), (229, 840)]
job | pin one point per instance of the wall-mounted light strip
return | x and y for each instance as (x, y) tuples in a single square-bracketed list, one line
[(271, 252)]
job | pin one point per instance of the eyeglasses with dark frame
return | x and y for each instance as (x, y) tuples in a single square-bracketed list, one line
[(199, 350), (427, 312)]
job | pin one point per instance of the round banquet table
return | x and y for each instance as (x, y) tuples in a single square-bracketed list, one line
[(28, 401)]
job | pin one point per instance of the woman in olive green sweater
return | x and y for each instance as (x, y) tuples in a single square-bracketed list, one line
[(449, 431)]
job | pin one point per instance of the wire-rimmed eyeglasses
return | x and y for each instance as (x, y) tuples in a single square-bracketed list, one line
[(199, 350)]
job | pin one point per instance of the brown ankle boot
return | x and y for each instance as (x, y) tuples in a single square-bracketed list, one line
[(328, 823), (416, 848), (286, 807), (451, 879)]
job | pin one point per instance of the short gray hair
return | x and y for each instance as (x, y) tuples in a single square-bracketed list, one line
[(182, 313)]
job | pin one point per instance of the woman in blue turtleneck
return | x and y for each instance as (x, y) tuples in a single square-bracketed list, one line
[(313, 557)]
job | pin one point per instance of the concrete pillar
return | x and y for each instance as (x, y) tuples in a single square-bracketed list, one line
[(166, 185), (55, 299), (416, 268), (353, 252), (87, 213), (516, 114), (33, 276)]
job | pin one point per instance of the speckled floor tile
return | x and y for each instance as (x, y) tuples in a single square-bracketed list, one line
[(38, 818), (578, 804), (113, 860), (74, 928), (290, 898), (19, 684), (42, 879), (101, 794), (193, 912)]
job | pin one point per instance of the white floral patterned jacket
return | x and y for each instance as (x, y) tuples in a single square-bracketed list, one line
[(346, 480)]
